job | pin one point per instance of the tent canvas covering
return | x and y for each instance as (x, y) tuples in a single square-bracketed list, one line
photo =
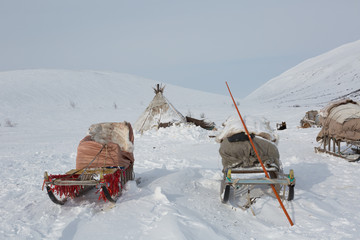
[(159, 112)]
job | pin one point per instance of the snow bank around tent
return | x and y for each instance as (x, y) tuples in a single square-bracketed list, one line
[(181, 132), (258, 126)]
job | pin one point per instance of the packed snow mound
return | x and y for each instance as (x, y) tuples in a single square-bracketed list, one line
[(330, 76), (182, 132)]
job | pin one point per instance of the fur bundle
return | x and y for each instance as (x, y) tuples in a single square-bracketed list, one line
[(257, 126), (116, 132)]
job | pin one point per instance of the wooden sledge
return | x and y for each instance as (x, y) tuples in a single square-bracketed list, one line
[(110, 181), (104, 160), (276, 178), (335, 150)]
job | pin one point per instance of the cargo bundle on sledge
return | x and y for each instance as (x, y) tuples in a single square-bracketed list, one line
[(104, 160), (340, 125), (311, 119)]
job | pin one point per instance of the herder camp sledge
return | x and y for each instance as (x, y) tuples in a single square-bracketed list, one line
[(340, 122), (241, 168), (265, 151), (104, 160)]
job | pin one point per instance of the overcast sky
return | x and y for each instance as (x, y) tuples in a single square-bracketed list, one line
[(194, 44)]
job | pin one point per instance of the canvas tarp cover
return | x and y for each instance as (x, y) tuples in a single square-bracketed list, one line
[(241, 155), (341, 120), (160, 110), (118, 151)]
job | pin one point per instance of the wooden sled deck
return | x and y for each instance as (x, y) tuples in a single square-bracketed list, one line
[(236, 178)]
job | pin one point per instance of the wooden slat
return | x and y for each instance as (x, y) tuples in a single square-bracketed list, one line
[(75, 183), (252, 170), (260, 181), (93, 171)]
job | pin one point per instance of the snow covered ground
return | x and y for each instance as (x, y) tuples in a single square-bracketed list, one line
[(45, 113)]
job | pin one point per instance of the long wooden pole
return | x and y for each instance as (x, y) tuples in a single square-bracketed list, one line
[(258, 156)]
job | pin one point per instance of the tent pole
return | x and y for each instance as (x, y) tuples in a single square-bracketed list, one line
[(258, 156)]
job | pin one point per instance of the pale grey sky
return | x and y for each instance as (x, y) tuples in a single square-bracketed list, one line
[(194, 44)]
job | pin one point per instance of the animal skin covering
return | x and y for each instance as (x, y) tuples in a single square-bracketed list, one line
[(239, 154), (118, 150), (341, 121)]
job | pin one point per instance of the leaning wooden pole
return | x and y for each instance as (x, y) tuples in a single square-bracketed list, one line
[(258, 156)]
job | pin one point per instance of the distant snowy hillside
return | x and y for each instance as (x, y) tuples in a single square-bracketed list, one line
[(318, 80), (26, 96)]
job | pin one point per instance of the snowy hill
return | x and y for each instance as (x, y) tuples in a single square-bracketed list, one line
[(45, 113), (318, 80), (87, 89), (28, 96)]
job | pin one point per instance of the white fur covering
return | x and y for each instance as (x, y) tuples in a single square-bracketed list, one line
[(112, 132), (258, 126)]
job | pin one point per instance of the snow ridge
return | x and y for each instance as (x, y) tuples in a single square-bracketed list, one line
[(330, 76)]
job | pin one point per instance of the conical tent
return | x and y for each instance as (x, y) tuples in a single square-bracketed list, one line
[(160, 112)]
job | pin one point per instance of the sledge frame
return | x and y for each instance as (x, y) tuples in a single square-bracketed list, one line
[(276, 178), (332, 146), (88, 179)]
